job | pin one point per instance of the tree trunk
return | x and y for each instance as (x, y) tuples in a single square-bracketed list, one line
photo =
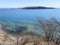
[(17, 39)]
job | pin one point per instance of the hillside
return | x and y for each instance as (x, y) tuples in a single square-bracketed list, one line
[(38, 7), (7, 39)]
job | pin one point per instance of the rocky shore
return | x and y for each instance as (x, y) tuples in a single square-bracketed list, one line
[(7, 39)]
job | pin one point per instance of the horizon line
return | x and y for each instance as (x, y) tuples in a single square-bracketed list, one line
[(27, 6)]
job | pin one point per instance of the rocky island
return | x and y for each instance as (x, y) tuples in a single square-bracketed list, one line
[(38, 7)]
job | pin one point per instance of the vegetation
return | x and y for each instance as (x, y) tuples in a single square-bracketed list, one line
[(17, 32), (50, 28), (38, 7)]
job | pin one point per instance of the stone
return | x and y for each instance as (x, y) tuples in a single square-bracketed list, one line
[(29, 44)]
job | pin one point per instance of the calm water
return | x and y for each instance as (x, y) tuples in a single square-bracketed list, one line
[(27, 17), (21, 15)]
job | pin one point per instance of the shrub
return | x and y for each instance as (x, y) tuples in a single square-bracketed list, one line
[(50, 27)]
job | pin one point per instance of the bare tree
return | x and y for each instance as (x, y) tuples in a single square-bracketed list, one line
[(18, 31), (50, 29)]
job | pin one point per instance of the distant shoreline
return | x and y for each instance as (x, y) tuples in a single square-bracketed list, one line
[(38, 7), (32, 7)]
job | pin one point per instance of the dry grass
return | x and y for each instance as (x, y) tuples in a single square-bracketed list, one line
[(6, 39), (25, 40), (33, 40)]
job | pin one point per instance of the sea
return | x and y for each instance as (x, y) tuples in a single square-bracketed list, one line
[(27, 17)]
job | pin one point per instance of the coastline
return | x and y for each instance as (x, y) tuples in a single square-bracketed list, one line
[(8, 39)]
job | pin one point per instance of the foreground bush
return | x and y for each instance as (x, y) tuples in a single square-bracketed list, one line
[(51, 29)]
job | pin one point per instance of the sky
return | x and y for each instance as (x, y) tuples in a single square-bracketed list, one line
[(24, 3)]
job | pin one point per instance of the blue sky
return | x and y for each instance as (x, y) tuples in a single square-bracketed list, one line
[(23, 3)]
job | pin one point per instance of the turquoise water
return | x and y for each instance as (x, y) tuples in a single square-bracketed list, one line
[(27, 17), (21, 15)]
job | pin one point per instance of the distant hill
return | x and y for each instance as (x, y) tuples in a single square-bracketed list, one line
[(38, 7)]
